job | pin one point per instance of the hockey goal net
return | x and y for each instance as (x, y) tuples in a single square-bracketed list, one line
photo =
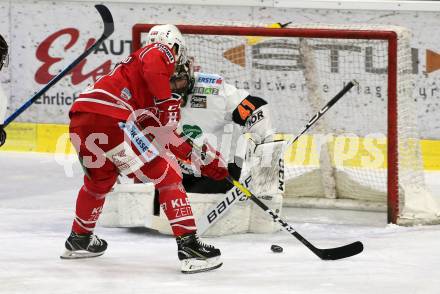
[(365, 152)]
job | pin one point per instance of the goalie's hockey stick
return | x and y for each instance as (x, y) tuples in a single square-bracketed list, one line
[(212, 215), (325, 254), (108, 30)]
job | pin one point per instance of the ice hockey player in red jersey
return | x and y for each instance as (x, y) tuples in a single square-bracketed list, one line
[(125, 124)]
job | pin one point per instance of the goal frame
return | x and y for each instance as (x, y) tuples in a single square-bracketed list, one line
[(389, 36)]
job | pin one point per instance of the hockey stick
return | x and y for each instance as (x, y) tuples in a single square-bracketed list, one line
[(108, 30), (212, 215), (215, 213), (323, 110), (325, 254)]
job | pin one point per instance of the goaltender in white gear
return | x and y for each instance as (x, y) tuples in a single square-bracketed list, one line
[(217, 113)]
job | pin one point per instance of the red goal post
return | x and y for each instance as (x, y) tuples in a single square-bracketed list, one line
[(389, 37)]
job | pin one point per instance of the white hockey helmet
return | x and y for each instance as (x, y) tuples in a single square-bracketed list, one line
[(169, 35)]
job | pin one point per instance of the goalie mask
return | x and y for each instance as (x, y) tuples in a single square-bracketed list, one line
[(3, 52), (169, 35), (182, 81)]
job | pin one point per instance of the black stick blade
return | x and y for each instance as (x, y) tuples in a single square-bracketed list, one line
[(107, 18), (340, 252)]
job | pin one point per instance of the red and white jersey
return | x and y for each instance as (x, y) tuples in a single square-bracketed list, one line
[(133, 84)]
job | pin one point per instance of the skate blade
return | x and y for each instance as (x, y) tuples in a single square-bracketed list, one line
[(193, 265), (68, 254)]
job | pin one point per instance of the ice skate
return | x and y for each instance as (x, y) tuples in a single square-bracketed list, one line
[(196, 256), (83, 246)]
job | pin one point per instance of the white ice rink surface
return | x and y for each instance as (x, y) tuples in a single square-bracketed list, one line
[(36, 208)]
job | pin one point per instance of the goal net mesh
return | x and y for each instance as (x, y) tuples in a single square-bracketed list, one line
[(343, 161)]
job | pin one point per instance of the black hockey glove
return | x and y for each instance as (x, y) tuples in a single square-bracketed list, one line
[(2, 135)]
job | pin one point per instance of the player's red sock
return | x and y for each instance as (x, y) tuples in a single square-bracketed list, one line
[(175, 204), (88, 208)]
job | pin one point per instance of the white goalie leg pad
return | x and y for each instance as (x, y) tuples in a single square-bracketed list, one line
[(224, 213), (231, 213), (224, 221), (260, 222), (266, 164), (194, 265), (213, 218), (129, 205)]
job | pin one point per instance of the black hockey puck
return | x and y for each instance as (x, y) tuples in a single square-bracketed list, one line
[(276, 248)]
